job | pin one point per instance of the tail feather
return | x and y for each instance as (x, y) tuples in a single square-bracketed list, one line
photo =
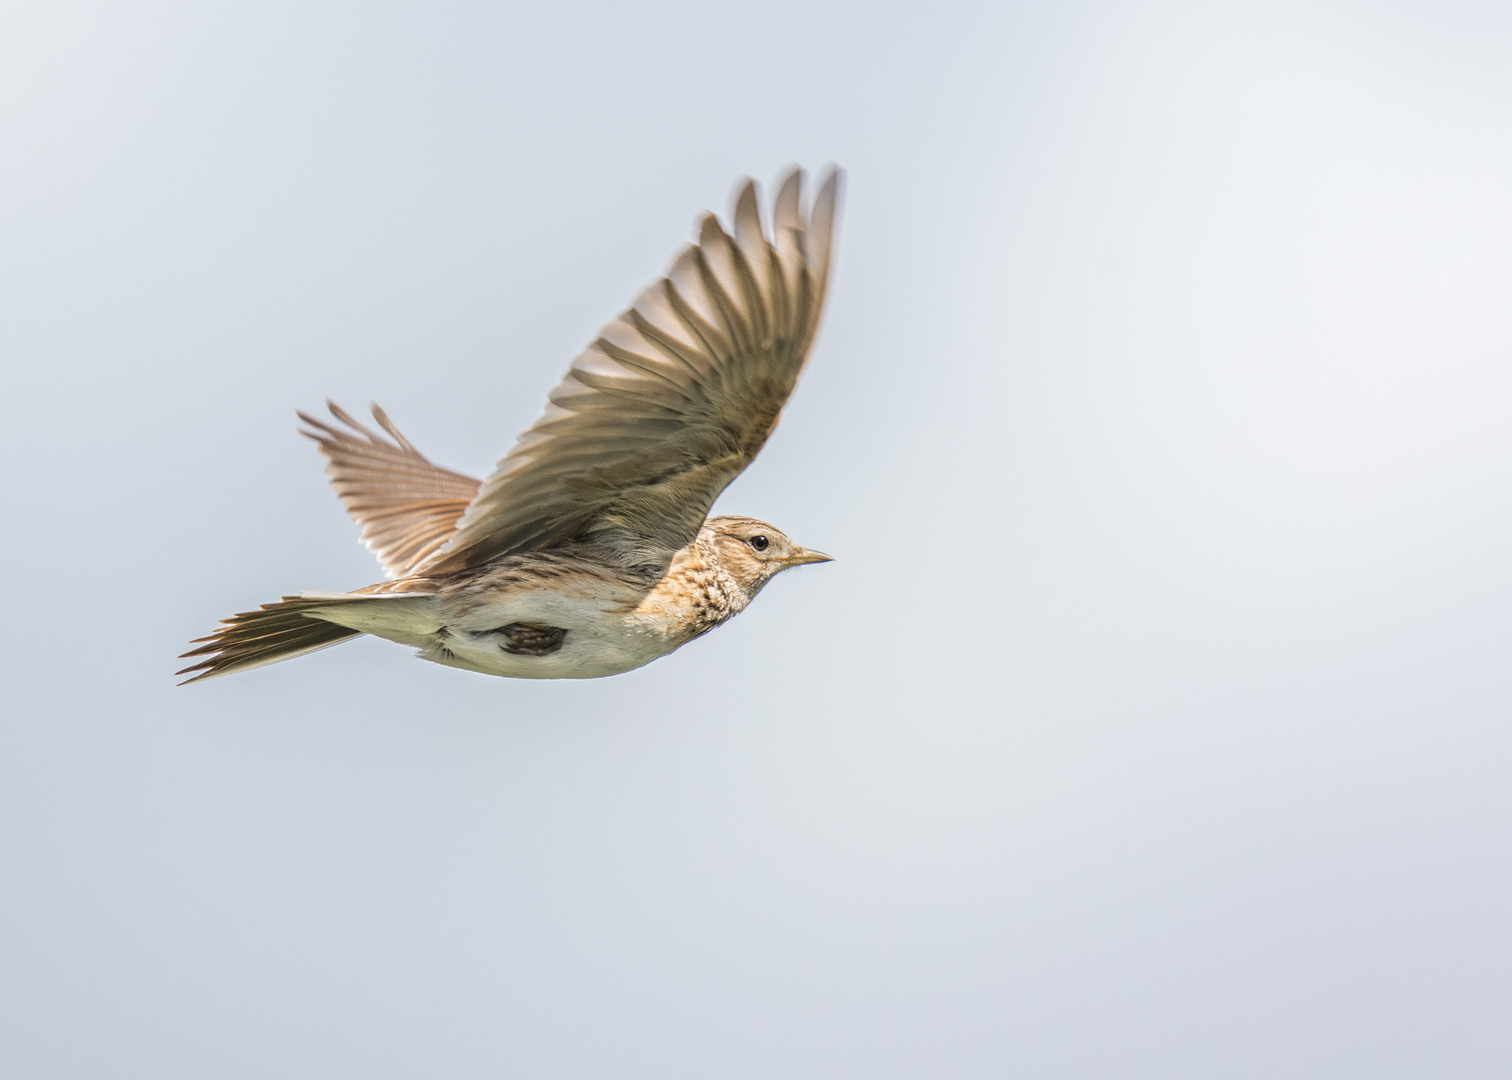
[(273, 632)]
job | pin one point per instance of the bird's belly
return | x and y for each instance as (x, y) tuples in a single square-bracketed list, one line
[(600, 639)]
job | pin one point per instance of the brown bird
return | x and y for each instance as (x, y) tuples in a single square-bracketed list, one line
[(586, 552)]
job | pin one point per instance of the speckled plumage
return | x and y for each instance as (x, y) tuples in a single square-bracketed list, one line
[(587, 551)]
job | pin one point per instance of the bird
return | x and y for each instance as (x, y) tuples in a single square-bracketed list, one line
[(587, 551)]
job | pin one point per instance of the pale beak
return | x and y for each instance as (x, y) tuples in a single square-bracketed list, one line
[(804, 556)]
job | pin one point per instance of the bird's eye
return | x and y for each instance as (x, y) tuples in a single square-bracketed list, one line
[(758, 542)]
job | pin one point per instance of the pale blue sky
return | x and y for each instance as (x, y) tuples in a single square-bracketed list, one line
[(1153, 721)]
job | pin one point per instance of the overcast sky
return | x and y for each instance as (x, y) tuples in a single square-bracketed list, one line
[(1152, 722)]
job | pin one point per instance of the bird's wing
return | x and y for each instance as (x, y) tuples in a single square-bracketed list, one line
[(672, 401), (405, 506)]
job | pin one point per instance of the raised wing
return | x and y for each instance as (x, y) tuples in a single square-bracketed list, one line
[(406, 507), (673, 400)]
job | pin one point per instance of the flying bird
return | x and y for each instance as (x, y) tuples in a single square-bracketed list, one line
[(587, 551)]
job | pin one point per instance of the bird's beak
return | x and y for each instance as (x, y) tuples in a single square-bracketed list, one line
[(804, 556)]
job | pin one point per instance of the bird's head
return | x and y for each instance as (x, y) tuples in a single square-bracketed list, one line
[(753, 552)]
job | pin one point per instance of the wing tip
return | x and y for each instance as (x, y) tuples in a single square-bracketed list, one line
[(822, 217)]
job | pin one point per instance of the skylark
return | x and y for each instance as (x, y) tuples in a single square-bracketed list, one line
[(587, 551)]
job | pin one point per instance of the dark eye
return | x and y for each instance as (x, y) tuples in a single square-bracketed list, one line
[(758, 542)]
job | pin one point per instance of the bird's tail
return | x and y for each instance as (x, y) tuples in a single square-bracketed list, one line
[(397, 610), (272, 633)]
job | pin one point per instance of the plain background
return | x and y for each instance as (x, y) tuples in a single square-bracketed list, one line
[(1153, 721)]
